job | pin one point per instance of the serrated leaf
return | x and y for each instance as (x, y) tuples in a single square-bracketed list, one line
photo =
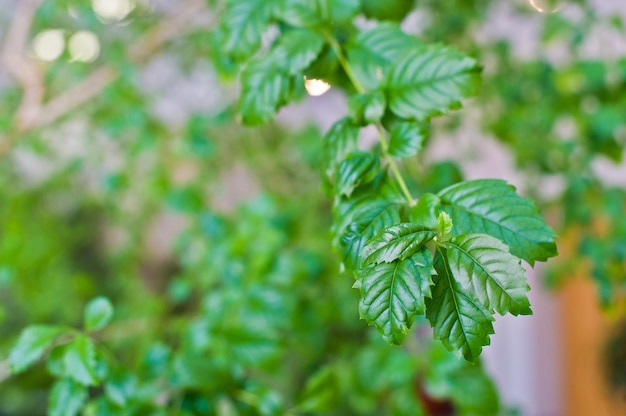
[(460, 322), (31, 345), (67, 398), (242, 25), (366, 108), (341, 139), (426, 211), (485, 269), (79, 361), (264, 90), (393, 293), (296, 50), (429, 81), (491, 206), (357, 169), (371, 52), (98, 313), (406, 139), (444, 224), (399, 241)]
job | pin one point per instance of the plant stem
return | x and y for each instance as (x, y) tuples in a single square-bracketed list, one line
[(382, 137)]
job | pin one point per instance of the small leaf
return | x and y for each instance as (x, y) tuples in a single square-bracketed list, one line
[(371, 52), (491, 206), (393, 293), (485, 269), (296, 50), (264, 89), (367, 108), (31, 345), (67, 398), (307, 13), (396, 242), (429, 81), (79, 361), (98, 313), (406, 139), (444, 225), (460, 322), (357, 169), (341, 139), (426, 211)]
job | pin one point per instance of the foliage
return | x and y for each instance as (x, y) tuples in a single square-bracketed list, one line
[(245, 311)]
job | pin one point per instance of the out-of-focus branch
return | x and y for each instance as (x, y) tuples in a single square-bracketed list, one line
[(24, 70), (175, 25)]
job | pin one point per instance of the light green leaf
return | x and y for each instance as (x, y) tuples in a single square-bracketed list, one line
[(429, 81), (396, 242), (484, 268), (406, 139), (357, 169), (426, 211), (242, 25), (341, 139), (67, 398), (491, 206), (296, 50), (98, 313), (367, 108), (79, 361), (444, 225), (31, 345), (393, 293), (371, 52), (460, 322)]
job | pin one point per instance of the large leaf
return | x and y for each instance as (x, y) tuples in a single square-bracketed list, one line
[(491, 206), (485, 269), (371, 52), (430, 80), (426, 211), (79, 361), (461, 323), (399, 241), (356, 169), (31, 345), (67, 398), (393, 293)]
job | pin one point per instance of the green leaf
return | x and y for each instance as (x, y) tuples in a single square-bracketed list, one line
[(242, 26), (393, 293), (31, 345), (485, 269), (387, 10), (491, 206), (444, 225), (460, 322), (473, 392), (98, 313), (426, 211), (357, 169), (67, 398), (429, 81), (406, 139), (264, 89), (396, 242), (311, 13), (79, 361), (296, 50), (371, 52), (366, 108), (341, 139)]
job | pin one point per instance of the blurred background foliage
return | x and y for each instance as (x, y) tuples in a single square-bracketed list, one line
[(125, 174)]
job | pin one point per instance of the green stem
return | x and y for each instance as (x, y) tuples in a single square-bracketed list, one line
[(382, 137)]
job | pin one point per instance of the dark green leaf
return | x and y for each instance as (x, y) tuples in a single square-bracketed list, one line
[(296, 50), (406, 139), (371, 52), (366, 108), (426, 211), (387, 10), (485, 270), (311, 13), (491, 206), (31, 345), (460, 322), (396, 242), (79, 361), (98, 313), (357, 169), (393, 293), (430, 80)]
